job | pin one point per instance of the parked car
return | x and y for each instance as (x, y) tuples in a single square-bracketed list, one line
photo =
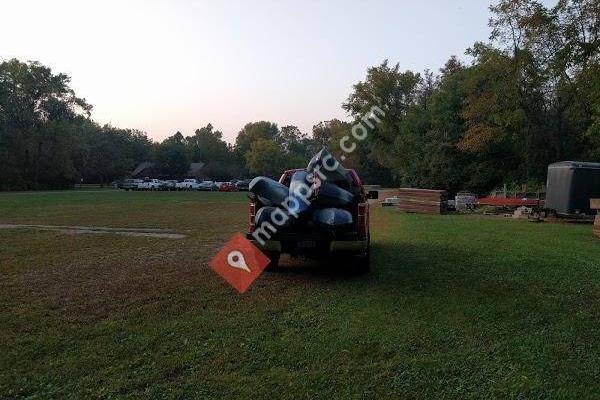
[(151, 184), (243, 185), (308, 241), (208, 186), (227, 187), (188, 184), (170, 184), (130, 184)]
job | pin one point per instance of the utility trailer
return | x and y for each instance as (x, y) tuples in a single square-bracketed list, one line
[(570, 186)]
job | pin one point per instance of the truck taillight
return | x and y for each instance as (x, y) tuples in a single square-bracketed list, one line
[(251, 214), (363, 220)]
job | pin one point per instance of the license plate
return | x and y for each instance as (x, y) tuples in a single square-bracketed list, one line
[(307, 244)]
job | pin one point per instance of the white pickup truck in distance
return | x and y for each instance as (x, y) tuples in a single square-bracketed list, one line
[(187, 184), (151, 184)]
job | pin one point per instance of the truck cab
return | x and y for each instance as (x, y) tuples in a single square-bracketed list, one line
[(351, 247), (187, 184), (150, 184)]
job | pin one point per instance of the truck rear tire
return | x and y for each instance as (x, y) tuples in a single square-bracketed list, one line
[(363, 263), (274, 263)]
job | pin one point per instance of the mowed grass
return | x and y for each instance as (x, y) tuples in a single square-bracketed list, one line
[(455, 307)]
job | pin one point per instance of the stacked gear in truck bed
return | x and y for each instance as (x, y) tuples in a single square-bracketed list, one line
[(325, 206)]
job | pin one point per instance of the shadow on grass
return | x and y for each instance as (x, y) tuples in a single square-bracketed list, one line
[(321, 267), (390, 261), (425, 267)]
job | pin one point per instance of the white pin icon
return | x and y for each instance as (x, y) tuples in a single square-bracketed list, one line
[(235, 259)]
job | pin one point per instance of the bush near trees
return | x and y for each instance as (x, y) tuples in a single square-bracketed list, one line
[(528, 97)]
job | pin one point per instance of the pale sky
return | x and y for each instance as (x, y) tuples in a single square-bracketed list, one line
[(164, 66)]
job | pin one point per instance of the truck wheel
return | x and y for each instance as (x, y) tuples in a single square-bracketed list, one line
[(274, 264), (363, 263)]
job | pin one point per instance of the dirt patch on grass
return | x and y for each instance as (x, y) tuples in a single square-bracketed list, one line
[(86, 278), (144, 232)]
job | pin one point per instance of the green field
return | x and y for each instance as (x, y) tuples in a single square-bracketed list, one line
[(455, 307)]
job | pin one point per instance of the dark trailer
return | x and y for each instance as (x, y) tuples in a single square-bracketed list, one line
[(571, 185)]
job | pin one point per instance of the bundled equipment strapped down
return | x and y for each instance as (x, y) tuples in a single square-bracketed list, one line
[(325, 205)]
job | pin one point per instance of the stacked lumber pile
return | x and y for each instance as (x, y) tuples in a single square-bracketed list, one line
[(422, 201), (595, 204)]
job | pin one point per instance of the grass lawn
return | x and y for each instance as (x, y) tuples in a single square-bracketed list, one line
[(455, 307)]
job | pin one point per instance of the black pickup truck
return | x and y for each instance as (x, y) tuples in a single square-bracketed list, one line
[(351, 247)]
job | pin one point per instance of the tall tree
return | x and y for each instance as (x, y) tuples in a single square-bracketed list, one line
[(173, 156), (207, 146), (35, 106), (265, 157), (253, 131), (393, 140)]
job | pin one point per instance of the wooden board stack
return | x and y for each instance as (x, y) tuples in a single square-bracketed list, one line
[(595, 204), (422, 201)]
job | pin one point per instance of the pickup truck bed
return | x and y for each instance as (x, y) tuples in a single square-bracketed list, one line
[(307, 240)]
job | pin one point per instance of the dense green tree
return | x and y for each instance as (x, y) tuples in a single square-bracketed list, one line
[(331, 134), (265, 157), (173, 155), (293, 147), (113, 152), (207, 146), (532, 98), (529, 97), (253, 131), (36, 107), (393, 142), (297, 147), (47, 139)]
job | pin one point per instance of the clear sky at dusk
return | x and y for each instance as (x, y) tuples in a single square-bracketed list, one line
[(177, 65)]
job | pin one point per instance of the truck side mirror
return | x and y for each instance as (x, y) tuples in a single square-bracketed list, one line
[(373, 194)]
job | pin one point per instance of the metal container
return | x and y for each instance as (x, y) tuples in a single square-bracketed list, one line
[(571, 185)]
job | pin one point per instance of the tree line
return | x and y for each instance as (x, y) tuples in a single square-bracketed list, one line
[(48, 140), (528, 97)]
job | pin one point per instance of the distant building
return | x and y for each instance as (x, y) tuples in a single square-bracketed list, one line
[(152, 170), (144, 169), (196, 171)]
